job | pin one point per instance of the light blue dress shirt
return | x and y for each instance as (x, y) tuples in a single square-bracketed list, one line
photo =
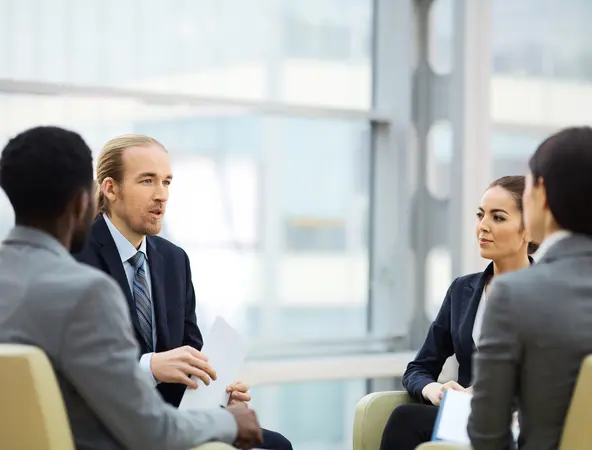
[(126, 250)]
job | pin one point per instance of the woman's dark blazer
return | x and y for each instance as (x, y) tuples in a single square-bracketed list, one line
[(451, 333)]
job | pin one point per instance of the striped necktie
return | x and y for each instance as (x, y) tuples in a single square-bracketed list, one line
[(142, 298)]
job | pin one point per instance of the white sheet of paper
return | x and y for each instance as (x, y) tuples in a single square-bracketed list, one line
[(454, 417), (226, 351), (515, 426)]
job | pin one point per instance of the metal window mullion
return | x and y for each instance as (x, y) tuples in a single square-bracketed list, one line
[(470, 117), (389, 289), (272, 108)]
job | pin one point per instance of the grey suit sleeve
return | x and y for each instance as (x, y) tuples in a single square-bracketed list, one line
[(496, 369), (99, 357)]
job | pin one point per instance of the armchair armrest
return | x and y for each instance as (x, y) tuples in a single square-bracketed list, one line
[(372, 413), (214, 446), (443, 446)]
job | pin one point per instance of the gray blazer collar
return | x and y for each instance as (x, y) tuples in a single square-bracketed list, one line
[(576, 245), (34, 237)]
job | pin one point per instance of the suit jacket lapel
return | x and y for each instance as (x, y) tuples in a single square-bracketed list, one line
[(157, 275), (110, 255)]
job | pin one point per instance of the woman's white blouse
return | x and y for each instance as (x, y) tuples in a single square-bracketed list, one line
[(479, 319)]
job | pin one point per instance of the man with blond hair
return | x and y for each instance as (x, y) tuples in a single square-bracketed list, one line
[(77, 315), (133, 177)]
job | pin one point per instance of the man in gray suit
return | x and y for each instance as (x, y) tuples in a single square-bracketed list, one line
[(78, 315), (538, 322)]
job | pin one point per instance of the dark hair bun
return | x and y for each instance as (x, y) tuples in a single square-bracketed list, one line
[(532, 248)]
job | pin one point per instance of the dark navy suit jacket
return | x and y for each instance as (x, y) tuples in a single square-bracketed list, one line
[(173, 298), (451, 333), (173, 295)]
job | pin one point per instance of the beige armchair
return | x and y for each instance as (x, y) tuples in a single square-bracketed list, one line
[(33, 415), (373, 411), (443, 446), (577, 432)]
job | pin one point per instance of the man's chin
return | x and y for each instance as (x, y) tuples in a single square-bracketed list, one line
[(151, 230)]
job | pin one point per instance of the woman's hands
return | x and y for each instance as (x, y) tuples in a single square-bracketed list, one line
[(434, 391)]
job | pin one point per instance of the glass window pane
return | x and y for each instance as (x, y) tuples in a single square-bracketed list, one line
[(438, 279), (440, 48), (511, 152), (271, 211), (439, 159), (547, 39), (313, 415), (315, 52)]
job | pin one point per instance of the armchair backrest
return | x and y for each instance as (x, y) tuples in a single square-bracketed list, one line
[(577, 431), (33, 414)]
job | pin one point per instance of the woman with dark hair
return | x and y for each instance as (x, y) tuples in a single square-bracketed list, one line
[(538, 329), (504, 241)]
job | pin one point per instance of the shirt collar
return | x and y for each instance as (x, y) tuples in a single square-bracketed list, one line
[(549, 242), (124, 247)]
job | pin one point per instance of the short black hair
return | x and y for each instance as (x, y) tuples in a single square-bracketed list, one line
[(564, 162), (42, 169)]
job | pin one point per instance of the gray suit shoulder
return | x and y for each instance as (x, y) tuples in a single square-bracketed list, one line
[(78, 281), (521, 283)]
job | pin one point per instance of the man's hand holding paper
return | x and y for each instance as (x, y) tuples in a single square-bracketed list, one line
[(239, 393), (182, 365), (226, 352)]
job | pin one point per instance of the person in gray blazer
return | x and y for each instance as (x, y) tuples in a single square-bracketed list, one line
[(78, 315), (537, 326)]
